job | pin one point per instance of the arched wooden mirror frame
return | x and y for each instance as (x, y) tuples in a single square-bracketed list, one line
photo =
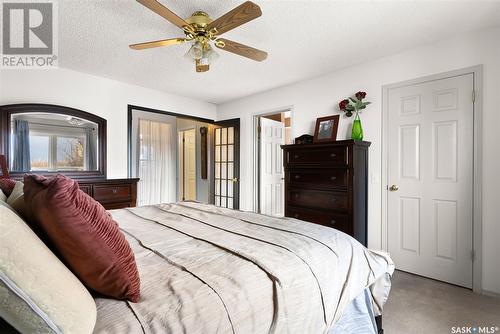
[(7, 111)]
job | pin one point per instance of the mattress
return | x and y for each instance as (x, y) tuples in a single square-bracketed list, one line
[(206, 269)]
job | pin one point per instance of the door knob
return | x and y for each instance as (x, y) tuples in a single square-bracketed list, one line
[(394, 188), (235, 179)]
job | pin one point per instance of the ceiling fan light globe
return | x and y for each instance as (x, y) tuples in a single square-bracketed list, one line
[(195, 52), (212, 56)]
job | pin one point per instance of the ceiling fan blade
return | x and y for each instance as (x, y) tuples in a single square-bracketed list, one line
[(241, 49), (163, 11), (155, 44), (242, 14)]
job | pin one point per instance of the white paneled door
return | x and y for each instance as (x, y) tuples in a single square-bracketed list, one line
[(188, 165), (430, 178), (272, 136)]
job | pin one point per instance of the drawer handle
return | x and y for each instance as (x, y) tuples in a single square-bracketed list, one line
[(333, 178), (297, 195), (333, 155), (114, 190), (333, 199), (333, 221), (296, 156), (297, 177)]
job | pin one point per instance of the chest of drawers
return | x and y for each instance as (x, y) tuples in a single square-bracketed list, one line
[(327, 184), (111, 193)]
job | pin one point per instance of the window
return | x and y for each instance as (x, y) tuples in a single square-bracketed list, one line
[(70, 153), (57, 152), (39, 152)]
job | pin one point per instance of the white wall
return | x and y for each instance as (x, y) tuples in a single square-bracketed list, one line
[(318, 97), (104, 97)]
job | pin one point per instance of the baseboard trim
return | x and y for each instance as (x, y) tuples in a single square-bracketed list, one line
[(490, 293)]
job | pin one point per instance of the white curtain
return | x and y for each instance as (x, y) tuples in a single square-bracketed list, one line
[(157, 163)]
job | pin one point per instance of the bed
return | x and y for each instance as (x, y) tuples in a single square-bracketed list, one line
[(206, 269)]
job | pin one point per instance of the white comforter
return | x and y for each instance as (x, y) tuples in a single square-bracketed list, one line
[(205, 269)]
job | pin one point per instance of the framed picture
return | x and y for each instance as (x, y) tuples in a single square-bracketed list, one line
[(326, 129)]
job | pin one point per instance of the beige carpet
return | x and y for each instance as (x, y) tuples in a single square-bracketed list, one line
[(421, 305)]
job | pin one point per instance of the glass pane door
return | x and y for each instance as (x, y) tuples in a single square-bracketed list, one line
[(226, 166)]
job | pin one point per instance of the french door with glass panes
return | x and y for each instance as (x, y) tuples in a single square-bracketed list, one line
[(226, 157)]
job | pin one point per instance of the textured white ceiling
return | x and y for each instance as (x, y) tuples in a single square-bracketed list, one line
[(304, 39)]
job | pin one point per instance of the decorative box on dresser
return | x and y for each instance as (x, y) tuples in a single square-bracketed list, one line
[(327, 184), (111, 193)]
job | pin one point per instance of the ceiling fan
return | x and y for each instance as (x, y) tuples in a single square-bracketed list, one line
[(202, 31)]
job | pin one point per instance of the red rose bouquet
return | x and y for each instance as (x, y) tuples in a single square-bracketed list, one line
[(353, 104)]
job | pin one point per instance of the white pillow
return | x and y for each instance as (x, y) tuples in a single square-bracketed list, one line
[(16, 202), (3, 198), (37, 292), (17, 192)]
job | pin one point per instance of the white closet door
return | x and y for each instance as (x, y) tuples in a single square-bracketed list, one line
[(430, 152), (189, 165), (272, 136)]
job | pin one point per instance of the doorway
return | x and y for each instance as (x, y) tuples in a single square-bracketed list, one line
[(187, 165), (431, 161), (273, 130), (155, 156)]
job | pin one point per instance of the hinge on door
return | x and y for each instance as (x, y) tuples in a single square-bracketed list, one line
[(473, 255), (473, 96)]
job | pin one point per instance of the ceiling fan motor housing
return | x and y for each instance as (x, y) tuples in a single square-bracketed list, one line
[(199, 20)]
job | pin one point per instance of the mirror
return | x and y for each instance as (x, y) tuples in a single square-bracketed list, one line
[(53, 142), (49, 139)]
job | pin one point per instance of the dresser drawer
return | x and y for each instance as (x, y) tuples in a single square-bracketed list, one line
[(338, 221), (326, 200), (86, 189), (335, 156), (320, 177), (112, 193)]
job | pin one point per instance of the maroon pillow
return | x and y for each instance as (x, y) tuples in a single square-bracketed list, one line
[(7, 185), (84, 234)]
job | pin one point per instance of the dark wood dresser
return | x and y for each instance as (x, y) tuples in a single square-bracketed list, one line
[(327, 184), (111, 193)]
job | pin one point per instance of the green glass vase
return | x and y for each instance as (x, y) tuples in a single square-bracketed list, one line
[(357, 129)]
